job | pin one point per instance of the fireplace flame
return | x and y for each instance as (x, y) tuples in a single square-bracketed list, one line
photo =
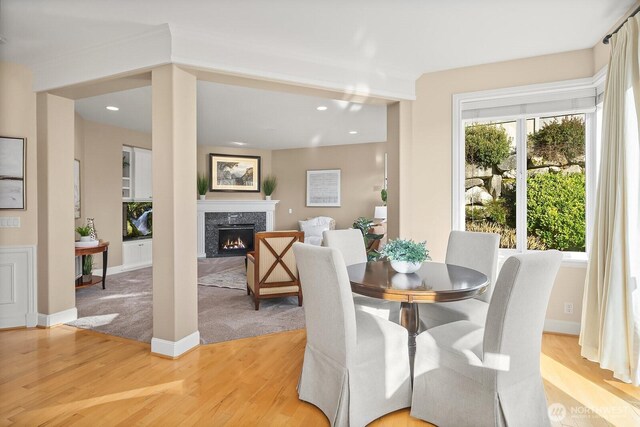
[(234, 244)]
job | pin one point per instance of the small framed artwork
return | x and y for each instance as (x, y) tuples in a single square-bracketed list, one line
[(12, 173), (76, 188), (323, 188), (234, 173)]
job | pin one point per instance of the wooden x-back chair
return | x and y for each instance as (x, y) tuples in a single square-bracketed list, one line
[(271, 267)]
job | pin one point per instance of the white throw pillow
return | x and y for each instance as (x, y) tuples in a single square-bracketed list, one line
[(314, 230), (308, 222)]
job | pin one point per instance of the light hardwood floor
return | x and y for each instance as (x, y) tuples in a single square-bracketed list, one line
[(67, 376)]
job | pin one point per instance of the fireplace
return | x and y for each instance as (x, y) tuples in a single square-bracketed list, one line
[(229, 224), (235, 239)]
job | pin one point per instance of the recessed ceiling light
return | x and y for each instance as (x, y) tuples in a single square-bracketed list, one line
[(238, 143), (353, 132), (321, 108), (112, 108)]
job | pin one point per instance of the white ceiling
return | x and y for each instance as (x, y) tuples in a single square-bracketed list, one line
[(258, 118), (358, 46), (378, 37)]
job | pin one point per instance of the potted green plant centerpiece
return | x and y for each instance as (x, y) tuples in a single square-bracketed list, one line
[(406, 256), (269, 184), (87, 268), (203, 186), (85, 233)]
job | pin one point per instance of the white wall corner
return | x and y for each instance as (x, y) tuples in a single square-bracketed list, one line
[(59, 318), (175, 348), (562, 327)]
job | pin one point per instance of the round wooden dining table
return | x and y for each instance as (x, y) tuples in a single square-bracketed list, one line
[(433, 282)]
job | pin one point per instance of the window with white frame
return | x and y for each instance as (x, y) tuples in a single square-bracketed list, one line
[(524, 164)]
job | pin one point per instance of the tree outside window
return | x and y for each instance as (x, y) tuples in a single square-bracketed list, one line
[(555, 181)]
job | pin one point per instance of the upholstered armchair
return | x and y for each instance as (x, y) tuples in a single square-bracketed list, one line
[(314, 227), (271, 267)]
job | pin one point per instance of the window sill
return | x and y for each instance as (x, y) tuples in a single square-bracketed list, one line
[(569, 259)]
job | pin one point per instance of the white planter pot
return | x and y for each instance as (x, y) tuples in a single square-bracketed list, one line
[(405, 267), (267, 197), (202, 196), (85, 238)]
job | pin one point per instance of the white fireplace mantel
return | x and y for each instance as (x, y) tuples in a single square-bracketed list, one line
[(204, 206)]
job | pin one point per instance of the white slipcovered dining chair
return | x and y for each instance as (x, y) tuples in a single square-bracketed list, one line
[(356, 365), (478, 251), (467, 375), (351, 245)]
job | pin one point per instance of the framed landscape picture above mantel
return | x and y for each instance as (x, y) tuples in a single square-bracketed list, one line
[(323, 188), (12, 173), (234, 173)]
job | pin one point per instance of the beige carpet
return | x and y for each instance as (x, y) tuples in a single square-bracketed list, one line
[(224, 313)]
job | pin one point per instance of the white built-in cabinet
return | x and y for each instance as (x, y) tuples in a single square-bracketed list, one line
[(127, 168), (137, 253), (142, 178), (137, 179), (137, 185)]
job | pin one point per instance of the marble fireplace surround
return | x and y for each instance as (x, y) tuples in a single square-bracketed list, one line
[(233, 207)]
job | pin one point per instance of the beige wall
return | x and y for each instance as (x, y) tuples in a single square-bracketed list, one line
[(362, 176), (427, 159), (18, 119), (203, 168), (600, 56), (100, 146)]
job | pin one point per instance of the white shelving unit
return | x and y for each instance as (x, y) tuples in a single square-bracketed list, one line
[(142, 174), (127, 168)]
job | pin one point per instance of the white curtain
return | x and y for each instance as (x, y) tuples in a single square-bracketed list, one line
[(610, 331)]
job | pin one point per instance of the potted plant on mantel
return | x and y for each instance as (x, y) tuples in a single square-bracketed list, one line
[(203, 186), (406, 256), (87, 269), (269, 184)]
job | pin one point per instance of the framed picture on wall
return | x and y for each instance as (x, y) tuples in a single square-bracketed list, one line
[(76, 188), (12, 173), (323, 188), (234, 173)]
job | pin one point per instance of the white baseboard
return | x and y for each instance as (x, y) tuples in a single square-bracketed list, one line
[(562, 327), (29, 320), (121, 268), (175, 348), (58, 318)]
